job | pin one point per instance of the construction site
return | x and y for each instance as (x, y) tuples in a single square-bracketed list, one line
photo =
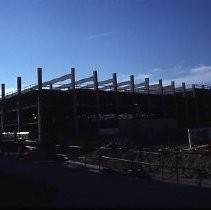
[(140, 129)]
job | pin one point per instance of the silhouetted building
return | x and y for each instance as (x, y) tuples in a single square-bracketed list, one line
[(64, 111)]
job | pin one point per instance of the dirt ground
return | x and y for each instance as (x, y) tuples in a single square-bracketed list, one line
[(77, 186)]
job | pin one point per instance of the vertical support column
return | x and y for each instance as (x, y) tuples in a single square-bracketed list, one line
[(19, 104), (97, 114), (114, 82), (2, 113), (173, 87), (162, 98), (147, 85), (51, 86), (116, 114), (132, 89), (175, 99), (2, 107), (75, 112), (194, 90), (73, 78), (195, 103), (95, 80), (183, 89), (40, 106), (160, 87), (18, 112), (132, 83), (186, 103), (202, 114), (148, 96)]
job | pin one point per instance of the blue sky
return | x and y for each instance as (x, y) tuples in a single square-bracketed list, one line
[(167, 39)]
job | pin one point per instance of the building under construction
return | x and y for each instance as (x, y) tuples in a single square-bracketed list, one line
[(63, 111)]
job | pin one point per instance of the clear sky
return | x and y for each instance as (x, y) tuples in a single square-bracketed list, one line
[(169, 39)]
